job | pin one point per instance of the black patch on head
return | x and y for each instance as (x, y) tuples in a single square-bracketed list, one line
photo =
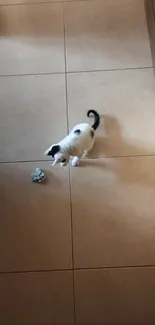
[(54, 150), (63, 160), (77, 131), (92, 133)]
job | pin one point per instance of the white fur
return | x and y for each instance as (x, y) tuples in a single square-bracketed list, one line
[(75, 145)]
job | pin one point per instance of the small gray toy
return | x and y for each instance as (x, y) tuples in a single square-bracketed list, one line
[(38, 176)]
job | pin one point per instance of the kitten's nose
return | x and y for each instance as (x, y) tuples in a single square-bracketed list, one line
[(47, 153)]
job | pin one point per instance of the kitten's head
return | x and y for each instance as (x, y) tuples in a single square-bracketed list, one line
[(56, 152)]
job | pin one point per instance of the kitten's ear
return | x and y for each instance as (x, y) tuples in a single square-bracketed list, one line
[(52, 150)]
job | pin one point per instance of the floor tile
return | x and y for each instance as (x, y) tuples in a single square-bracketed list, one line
[(106, 34), (35, 219), (118, 296), (36, 298), (33, 115), (31, 39), (113, 212), (125, 101)]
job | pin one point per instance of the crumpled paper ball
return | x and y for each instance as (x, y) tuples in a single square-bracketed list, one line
[(38, 176)]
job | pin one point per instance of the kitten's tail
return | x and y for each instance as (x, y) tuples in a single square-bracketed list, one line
[(96, 116)]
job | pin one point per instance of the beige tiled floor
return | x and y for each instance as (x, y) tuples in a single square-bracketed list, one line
[(37, 298), (106, 35), (79, 249), (33, 109), (31, 39)]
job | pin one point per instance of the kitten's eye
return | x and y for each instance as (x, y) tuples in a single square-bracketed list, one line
[(63, 160)]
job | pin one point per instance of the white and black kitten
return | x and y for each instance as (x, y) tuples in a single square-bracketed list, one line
[(77, 144)]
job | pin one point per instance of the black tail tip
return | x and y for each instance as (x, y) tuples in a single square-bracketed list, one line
[(93, 112), (97, 118)]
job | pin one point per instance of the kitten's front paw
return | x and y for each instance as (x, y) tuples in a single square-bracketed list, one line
[(75, 161)]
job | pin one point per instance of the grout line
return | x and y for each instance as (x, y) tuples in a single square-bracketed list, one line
[(110, 70), (65, 69), (31, 74), (70, 193), (123, 156), (36, 271), (74, 305), (41, 3), (47, 2), (71, 209), (115, 267), (91, 158), (72, 72), (129, 267), (24, 161)]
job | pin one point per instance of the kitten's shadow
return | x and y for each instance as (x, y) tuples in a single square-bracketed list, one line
[(110, 143)]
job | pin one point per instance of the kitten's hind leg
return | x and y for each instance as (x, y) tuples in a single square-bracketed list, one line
[(85, 153), (75, 161)]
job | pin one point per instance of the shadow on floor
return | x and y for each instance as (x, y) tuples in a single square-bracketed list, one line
[(133, 165)]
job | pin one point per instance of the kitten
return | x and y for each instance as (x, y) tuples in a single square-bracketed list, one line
[(77, 144)]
